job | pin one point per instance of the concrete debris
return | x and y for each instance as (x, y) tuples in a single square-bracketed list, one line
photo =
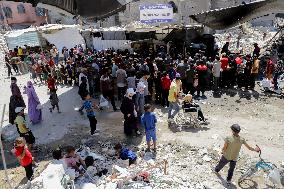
[(176, 166)]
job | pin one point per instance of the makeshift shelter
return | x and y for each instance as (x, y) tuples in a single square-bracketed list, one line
[(229, 17), (67, 37), (59, 35), (106, 38), (29, 37)]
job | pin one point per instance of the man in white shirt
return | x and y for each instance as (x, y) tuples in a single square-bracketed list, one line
[(216, 72), (121, 82)]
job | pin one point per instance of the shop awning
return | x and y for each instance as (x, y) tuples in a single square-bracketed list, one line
[(233, 16)]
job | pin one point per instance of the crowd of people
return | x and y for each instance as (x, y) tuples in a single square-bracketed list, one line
[(131, 82)]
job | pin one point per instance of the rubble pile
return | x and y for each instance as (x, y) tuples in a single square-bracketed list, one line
[(244, 37), (173, 166)]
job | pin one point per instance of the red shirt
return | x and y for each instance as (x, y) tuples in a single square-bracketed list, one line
[(166, 83), (27, 159), (239, 60), (269, 67), (51, 83), (51, 63), (224, 63)]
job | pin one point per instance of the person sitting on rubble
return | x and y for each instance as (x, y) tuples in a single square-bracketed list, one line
[(58, 158), (92, 169), (73, 160), (125, 154), (190, 106)]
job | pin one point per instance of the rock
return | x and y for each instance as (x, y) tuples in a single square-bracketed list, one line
[(200, 162), (207, 158)]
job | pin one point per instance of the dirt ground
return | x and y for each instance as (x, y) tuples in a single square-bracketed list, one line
[(260, 116)]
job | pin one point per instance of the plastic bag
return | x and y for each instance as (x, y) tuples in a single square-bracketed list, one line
[(103, 102), (274, 177)]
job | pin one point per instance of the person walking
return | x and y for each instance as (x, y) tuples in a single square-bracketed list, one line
[(24, 156), (54, 100), (231, 150), (34, 109), (173, 97), (106, 87), (16, 100), (91, 114)]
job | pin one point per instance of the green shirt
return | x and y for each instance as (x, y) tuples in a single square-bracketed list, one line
[(21, 124), (234, 147)]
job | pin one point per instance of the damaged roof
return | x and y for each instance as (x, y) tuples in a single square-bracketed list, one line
[(233, 16), (88, 8)]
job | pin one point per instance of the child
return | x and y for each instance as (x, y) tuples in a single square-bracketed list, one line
[(149, 120), (58, 158), (73, 160), (124, 154), (22, 128), (24, 156), (54, 100), (92, 170), (90, 113)]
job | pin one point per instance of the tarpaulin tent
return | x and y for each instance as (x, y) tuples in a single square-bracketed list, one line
[(67, 37), (23, 37), (233, 16), (100, 44)]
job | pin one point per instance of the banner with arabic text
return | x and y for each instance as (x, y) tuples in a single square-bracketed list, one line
[(158, 13)]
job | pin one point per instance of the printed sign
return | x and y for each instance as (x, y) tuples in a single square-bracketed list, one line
[(158, 13)]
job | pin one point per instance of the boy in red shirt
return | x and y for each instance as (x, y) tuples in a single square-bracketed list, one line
[(166, 84), (24, 156)]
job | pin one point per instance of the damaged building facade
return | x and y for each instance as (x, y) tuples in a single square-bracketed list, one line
[(185, 8)]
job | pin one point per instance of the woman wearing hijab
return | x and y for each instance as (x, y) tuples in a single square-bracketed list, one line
[(34, 109), (16, 100), (128, 110)]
